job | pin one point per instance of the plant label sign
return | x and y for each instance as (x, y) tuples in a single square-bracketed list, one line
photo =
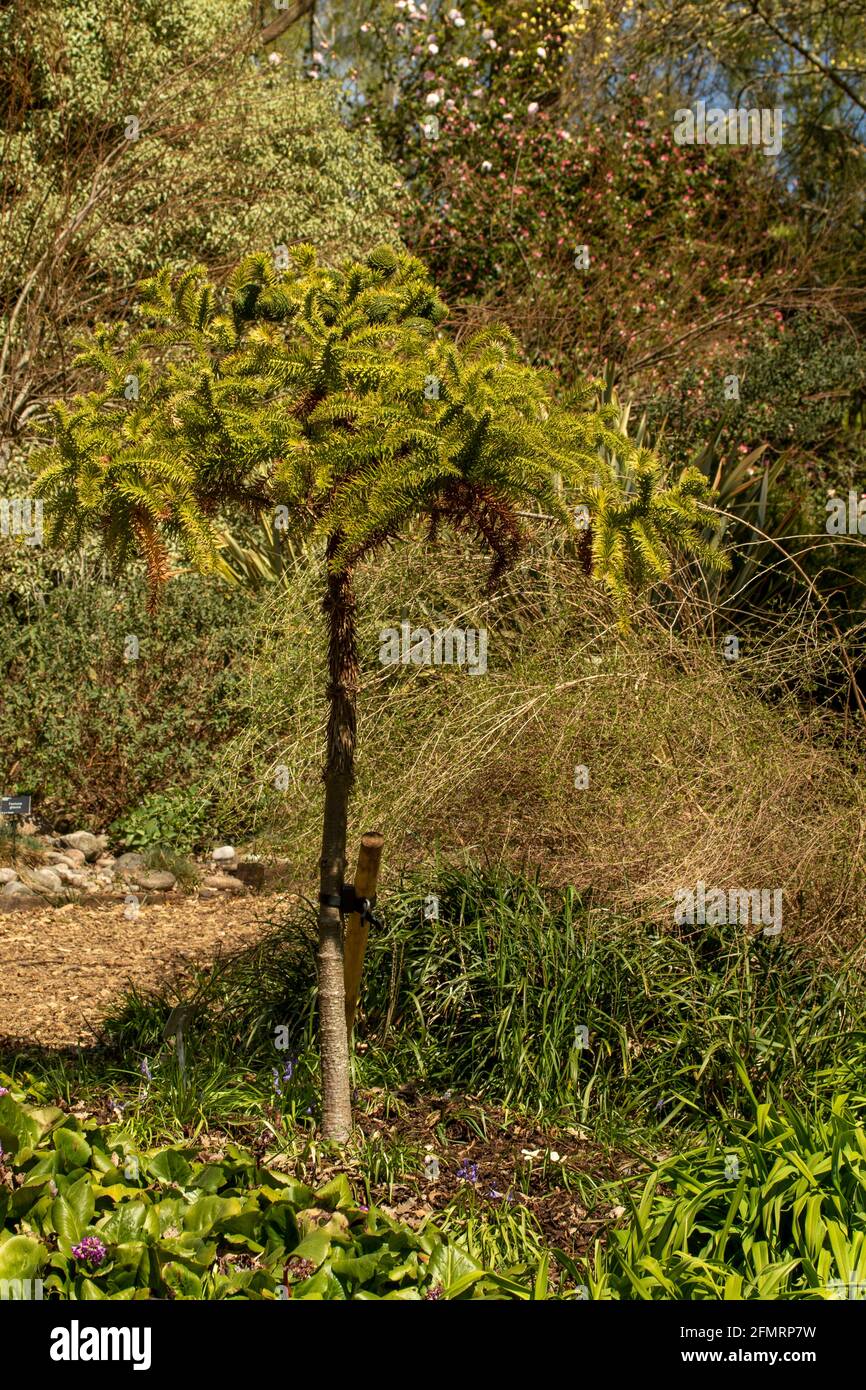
[(14, 805)]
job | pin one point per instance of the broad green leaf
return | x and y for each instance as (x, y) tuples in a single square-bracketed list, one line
[(170, 1166), (182, 1281), (72, 1210), (313, 1247), (449, 1264), (203, 1214), (18, 1129), (20, 1257), (337, 1194), (73, 1149), (45, 1117), (125, 1223), (359, 1268), (90, 1292)]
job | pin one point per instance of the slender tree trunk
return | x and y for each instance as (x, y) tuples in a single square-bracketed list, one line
[(339, 608)]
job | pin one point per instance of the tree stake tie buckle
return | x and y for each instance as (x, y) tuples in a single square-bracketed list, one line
[(348, 902)]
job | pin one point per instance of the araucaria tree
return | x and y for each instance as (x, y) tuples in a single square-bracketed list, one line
[(337, 394)]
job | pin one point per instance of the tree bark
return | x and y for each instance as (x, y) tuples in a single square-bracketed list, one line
[(339, 609), (284, 21)]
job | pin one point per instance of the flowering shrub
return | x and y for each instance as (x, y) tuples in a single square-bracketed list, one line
[(513, 171)]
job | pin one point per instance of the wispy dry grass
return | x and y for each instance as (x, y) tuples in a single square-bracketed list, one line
[(699, 768)]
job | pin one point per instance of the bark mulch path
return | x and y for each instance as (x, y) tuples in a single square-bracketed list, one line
[(62, 968)]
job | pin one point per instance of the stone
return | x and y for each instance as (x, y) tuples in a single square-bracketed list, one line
[(105, 861), (155, 880), (75, 858), (227, 883), (73, 877), (90, 845), (43, 880), (253, 875), (8, 875), (224, 852), (125, 863), (70, 858), (17, 889), (205, 893)]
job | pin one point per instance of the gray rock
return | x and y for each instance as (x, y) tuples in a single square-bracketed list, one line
[(90, 845), (68, 858), (155, 880), (43, 880), (67, 874), (8, 875), (224, 852), (16, 889), (206, 893), (74, 878), (126, 863), (74, 858), (225, 882)]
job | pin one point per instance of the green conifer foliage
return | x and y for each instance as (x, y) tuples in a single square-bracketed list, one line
[(337, 394)]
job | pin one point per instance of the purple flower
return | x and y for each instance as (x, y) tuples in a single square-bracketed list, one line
[(4, 1090), (145, 1069), (90, 1250), (288, 1073), (468, 1171), (434, 1294)]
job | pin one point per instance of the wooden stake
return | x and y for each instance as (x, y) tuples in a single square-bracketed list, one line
[(356, 932)]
